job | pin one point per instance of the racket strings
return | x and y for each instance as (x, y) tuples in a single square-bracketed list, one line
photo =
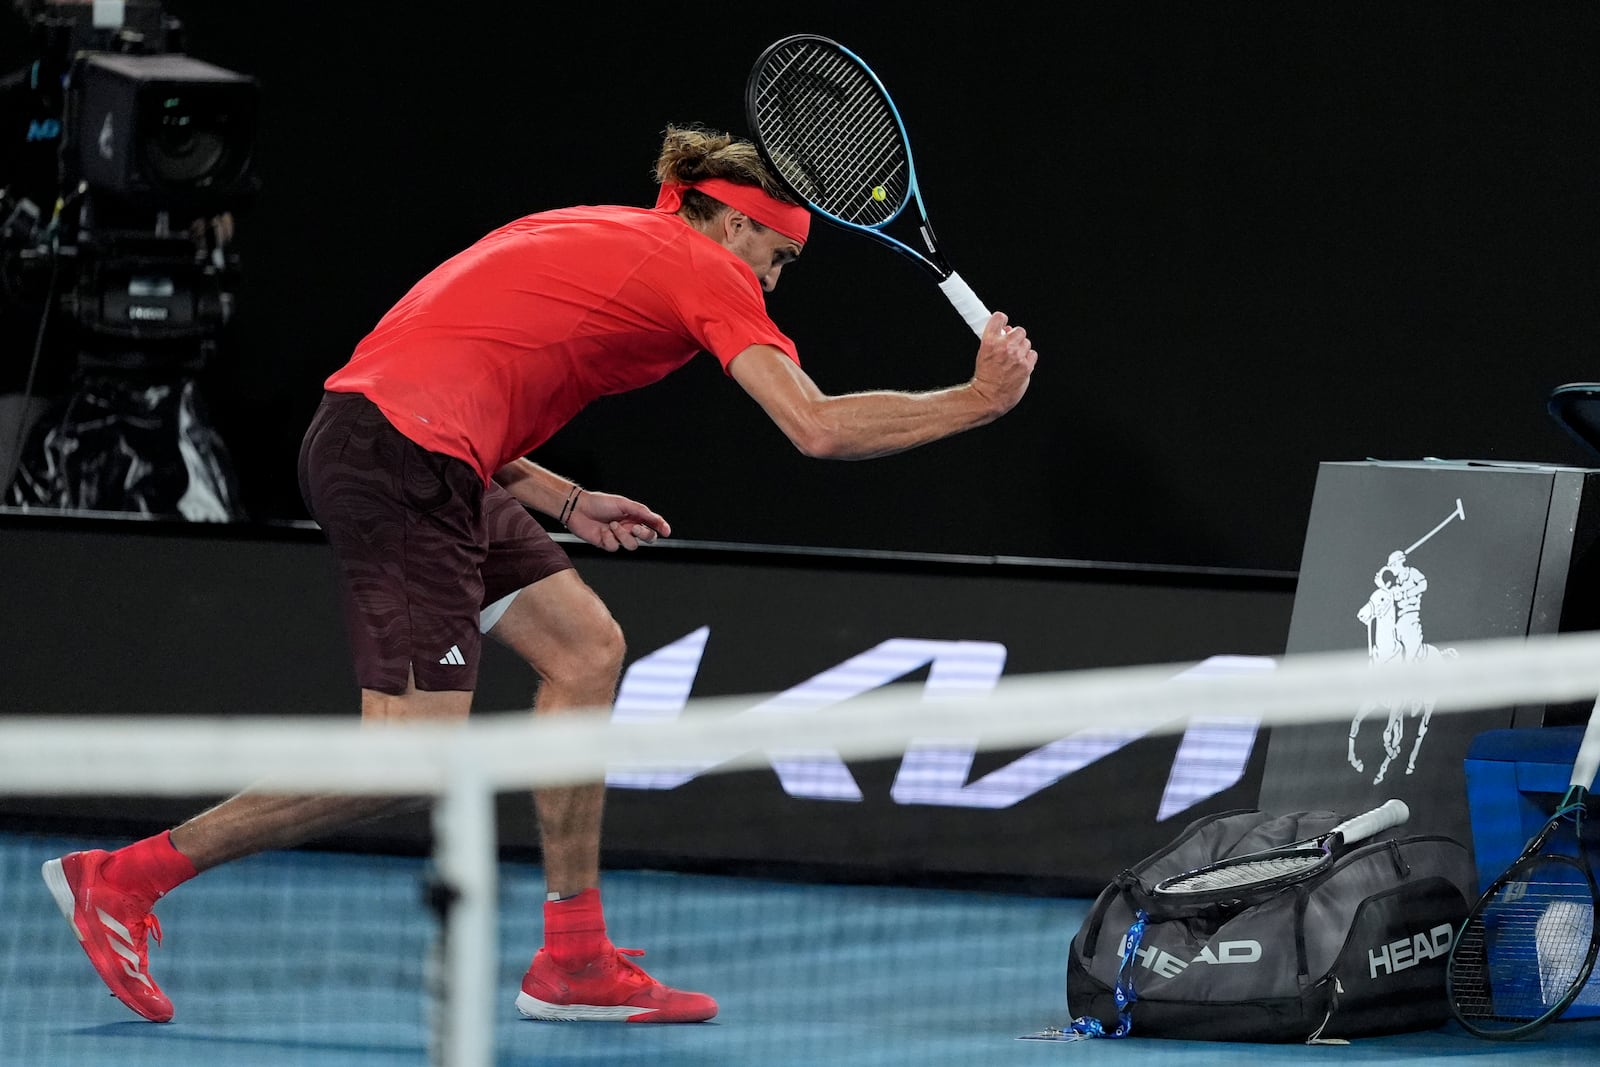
[(843, 174), (1245, 873), (856, 107), (833, 135), (1518, 957)]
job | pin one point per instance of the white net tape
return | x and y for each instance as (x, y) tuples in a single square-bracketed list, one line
[(186, 756)]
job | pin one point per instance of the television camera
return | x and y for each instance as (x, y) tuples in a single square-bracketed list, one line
[(155, 152), (116, 233)]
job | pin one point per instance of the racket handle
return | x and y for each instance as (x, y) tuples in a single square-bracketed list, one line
[(1588, 761), (1388, 814), (966, 302)]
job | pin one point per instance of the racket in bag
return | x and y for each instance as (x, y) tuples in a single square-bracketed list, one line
[(1358, 948)]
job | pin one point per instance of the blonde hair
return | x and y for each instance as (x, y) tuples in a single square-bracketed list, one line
[(693, 153)]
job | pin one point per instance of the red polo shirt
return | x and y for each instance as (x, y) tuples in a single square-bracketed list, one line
[(500, 346)]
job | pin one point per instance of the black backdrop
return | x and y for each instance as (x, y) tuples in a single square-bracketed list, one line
[(1246, 238)]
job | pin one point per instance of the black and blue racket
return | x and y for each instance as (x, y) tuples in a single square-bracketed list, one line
[(826, 126), (1266, 872), (1529, 945)]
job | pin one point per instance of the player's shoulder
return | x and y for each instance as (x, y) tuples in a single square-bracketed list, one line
[(603, 214), (613, 224), (686, 258), (656, 245)]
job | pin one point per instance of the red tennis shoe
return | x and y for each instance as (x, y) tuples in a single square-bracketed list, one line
[(112, 928), (611, 989)]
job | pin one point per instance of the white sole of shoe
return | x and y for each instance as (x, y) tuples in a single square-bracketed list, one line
[(55, 880), (534, 1008)]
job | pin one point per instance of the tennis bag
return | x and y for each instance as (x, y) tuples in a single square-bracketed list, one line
[(1358, 949)]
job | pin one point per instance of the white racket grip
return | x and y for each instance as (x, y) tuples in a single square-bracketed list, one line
[(966, 302), (1588, 761), (1358, 828)]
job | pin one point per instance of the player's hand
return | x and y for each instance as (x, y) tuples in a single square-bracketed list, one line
[(608, 521), (1005, 364)]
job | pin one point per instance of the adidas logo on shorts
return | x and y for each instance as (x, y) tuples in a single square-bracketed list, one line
[(454, 657)]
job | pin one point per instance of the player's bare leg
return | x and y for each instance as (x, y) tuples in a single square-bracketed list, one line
[(564, 631), (108, 897), (256, 821)]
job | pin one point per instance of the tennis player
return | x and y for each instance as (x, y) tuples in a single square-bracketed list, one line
[(415, 467)]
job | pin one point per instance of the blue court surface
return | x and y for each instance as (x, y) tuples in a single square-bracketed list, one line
[(318, 958)]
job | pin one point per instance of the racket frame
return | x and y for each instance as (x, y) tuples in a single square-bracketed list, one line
[(1167, 893), (1573, 803), (1323, 847), (933, 261)]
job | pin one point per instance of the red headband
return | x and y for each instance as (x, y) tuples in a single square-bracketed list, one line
[(791, 220)]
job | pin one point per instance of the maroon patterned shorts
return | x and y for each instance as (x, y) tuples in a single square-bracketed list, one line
[(422, 546)]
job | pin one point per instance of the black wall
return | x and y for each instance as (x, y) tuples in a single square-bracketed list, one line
[(1246, 238), (138, 618)]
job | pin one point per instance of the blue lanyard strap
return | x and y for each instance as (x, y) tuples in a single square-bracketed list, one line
[(1123, 993)]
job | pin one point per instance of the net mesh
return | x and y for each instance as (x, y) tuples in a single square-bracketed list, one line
[(395, 955)]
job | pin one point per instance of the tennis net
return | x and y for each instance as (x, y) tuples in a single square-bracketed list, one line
[(383, 956)]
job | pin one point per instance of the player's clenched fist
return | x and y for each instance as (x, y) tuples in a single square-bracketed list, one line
[(1005, 363)]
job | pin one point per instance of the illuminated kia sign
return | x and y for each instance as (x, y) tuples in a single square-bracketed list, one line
[(933, 771)]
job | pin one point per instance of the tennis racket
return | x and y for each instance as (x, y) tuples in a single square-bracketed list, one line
[(1528, 946), (1274, 868), (826, 127)]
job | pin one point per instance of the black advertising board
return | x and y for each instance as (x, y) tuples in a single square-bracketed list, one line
[(204, 621), (1407, 560)]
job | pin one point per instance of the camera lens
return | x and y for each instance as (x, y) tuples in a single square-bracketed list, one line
[(188, 144)]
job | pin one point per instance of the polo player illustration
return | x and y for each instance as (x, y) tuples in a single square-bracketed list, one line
[(1392, 616)]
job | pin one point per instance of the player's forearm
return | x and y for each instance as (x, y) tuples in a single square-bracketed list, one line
[(867, 425), (543, 490)]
